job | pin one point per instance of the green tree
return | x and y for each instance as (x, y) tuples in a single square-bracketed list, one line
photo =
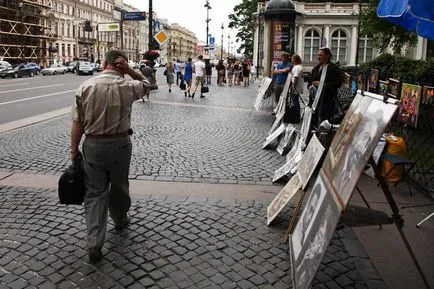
[(242, 20), (384, 33)]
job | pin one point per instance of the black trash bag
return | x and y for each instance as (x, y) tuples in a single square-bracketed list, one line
[(71, 184)]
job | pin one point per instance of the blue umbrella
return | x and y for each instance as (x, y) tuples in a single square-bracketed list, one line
[(413, 15)]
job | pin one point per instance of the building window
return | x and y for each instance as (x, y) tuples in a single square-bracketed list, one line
[(339, 45), (62, 29), (365, 49), (311, 45), (68, 30)]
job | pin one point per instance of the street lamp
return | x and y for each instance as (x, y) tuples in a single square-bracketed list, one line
[(229, 40), (221, 48), (208, 7)]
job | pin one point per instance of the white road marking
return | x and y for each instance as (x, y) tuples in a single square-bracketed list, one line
[(29, 88), (36, 97), (12, 80), (15, 84)]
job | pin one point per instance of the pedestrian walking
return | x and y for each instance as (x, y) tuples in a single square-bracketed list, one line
[(208, 71), (178, 71), (170, 75), (237, 73), (199, 71), (230, 72), (246, 72), (149, 73), (252, 73), (102, 112), (221, 72), (188, 75)]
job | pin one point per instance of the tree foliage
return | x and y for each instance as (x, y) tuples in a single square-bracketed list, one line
[(384, 33), (242, 20)]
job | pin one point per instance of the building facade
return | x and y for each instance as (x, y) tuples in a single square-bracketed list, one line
[(323, 24), (181, 44)]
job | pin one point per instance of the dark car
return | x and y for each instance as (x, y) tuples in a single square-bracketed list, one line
[(71, 67), (18, 70), (35, 67)]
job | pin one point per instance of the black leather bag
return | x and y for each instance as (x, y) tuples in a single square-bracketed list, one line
[(71, 184), (182, 85), (204, 89), (292, 109)]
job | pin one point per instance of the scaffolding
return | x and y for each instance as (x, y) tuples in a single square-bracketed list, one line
[(25, 30)]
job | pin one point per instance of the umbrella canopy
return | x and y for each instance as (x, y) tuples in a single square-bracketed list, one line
[(413, 15)]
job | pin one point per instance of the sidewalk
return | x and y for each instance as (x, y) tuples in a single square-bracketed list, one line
[(200, 183)]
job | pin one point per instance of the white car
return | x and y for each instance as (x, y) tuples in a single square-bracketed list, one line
[(54, 69)]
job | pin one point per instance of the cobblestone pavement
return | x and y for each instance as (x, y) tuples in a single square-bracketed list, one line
[(173, 242)]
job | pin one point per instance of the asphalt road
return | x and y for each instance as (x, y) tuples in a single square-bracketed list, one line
[(30, 96)]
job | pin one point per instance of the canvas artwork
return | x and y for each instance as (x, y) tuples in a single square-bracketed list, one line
[(265, 85), (286, 141), (288, 167), (394, 88), (373, 80), (383, 88), (428, 95), (273, 137), (361, 82), (313, 233), (354, 142), (281, 105), (283, 198), (294, 148), (277, 122), (305, 126), (310, 160), (408, 109)]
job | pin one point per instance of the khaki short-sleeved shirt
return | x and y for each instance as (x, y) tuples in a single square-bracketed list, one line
[(104, 103)]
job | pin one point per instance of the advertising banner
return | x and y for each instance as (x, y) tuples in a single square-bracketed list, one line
[(108, 27)]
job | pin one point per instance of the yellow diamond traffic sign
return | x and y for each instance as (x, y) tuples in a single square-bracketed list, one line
[(161, 37)]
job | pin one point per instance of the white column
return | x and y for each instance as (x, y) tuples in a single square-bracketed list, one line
[(353, 46), (300, 41), (327, 35), (421, 46)]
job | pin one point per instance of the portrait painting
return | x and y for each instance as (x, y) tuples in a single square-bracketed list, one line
[(262, 93), (394, 88), (361, 82), (308, 163), (287, 140), (408, 109), (283, 198), (355, 141), (312, 234), (305, 126), (383, 87), (373, 80), (273, 138), (288, 166), (428, 95)]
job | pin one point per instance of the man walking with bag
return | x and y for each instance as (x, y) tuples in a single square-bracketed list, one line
[(199, 70), (102, 112)]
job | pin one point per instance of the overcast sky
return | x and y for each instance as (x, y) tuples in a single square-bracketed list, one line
[(191, 14)]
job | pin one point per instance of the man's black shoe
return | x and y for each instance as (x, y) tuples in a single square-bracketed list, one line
[(95, 254), (192, 96), (202, 96), (185, 93), (123, 225)]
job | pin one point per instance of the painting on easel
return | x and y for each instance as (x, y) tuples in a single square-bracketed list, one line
[(408, 109)]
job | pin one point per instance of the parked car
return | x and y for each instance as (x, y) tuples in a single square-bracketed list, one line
[(35, 66), (71, 67), (84, 67), (5, 65), (96, 67), (54, 69), (18, 70)]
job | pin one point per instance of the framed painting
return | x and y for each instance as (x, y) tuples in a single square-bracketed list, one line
[(305, 126), (265, 85), (373, 80), (361, 82), (283, 198), (408, 109), (394, 88), (383, 87), (273, 138), (428, 95), (287, 168), (355, 141), (311, 157), (287, 140), (313, 233)]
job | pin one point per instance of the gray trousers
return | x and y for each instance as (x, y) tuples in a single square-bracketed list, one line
[(106, 168)]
